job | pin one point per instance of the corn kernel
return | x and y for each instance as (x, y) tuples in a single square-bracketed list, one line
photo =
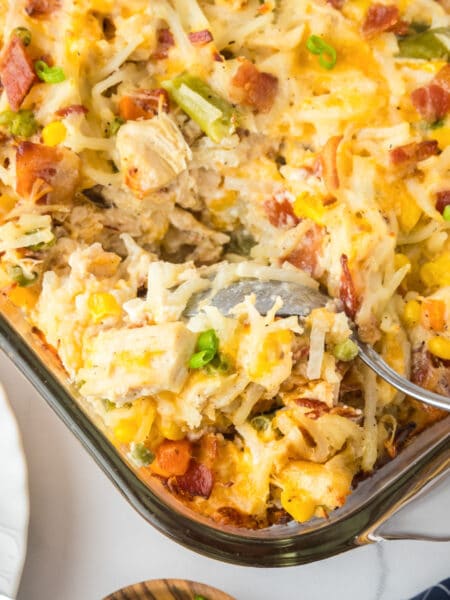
[(442, 136), (309, 206), (409, 213), (171, 431), (54, 133), (436, 273), (102, 305), (125, 431), (440, 347), (298, 503), (411, 313), (401, 260)]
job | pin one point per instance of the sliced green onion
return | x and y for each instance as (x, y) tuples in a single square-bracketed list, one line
[(20, 124), (346, 351), (208, 340), (49, 74), (201, 359), (219, 364), (425, 45), (214, 115), (327, 54), (198, 596), (446, 213), (114, 126), (206, 349), (17, 274), (141, 456), (24, 34)]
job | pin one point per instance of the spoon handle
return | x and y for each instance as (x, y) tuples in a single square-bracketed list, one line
[(373, 360)]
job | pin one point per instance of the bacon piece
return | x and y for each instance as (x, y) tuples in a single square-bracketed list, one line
[(165, 42), (253, 88), (410, 154), (328, 163), (316, 408), (200, 38), (73, 109), (144, 104), (42, 8), (347, 291), (281, 213), (380, 18), (306, 255), (442, 200), (197, 481), (432, 102), (57, 167), (17, 72)]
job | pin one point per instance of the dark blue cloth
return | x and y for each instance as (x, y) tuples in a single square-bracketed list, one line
[(441, 591)]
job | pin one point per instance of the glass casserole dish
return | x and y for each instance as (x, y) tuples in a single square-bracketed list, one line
[(359, 521), (170, 148)]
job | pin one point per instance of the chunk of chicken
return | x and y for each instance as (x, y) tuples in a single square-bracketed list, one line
[(147, 359), (152, 153)]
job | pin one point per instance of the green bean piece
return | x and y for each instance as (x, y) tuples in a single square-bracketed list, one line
[(214, 115)]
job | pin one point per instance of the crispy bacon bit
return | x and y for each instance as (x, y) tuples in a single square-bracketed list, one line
[(42, 8), (165, 42), (347, 291), (432, 102), (144, 104), (73, 109), (410, 154), (197, 481), (401, 28), (200, 38), (281, 213), (328, 164), (56, 167), (253, 88), (380, 18), (306, 255), (316, 408), (442, 200), (17, 72)]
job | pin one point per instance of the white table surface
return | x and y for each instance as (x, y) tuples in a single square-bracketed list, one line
[(85, 541)]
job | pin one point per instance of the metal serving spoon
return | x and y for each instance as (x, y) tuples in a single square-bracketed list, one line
[(300, 300)]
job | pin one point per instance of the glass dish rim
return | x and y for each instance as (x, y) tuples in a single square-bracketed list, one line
[(349, 527)]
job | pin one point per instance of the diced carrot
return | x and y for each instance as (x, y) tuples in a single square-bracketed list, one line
[(130, 110), (172, 458), (433, 314)]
